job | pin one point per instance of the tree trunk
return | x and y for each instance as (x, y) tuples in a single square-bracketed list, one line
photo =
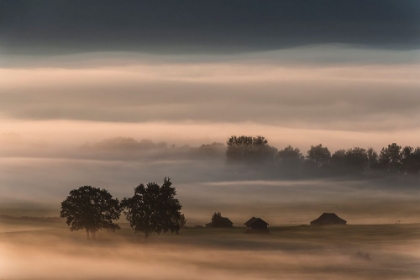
[(94, 234), (87, 234), (146, 235)]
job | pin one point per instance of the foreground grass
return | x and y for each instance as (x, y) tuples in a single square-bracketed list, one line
[(29, 248)]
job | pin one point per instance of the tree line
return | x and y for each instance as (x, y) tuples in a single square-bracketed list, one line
[(318, 160), (152, 209)]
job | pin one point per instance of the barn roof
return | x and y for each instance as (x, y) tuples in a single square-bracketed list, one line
[(327, 217), (226, 220), (253, 220), (221, 221)]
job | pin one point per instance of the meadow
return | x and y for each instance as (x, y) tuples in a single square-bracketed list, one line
[(46, 249)]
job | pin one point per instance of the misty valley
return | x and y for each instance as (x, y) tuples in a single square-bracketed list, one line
[(209, 139), (244, 179)]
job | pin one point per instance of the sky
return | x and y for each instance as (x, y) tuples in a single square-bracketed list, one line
[(301, 73), (340, 73), (298, 72)]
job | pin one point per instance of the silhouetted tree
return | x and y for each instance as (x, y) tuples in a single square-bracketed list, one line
[(91, 209), (410, 160), (153, 209), (357, 160), (390, 158), (339, 161), (320, 155), (372, 159), (248, 149), (216, 216), (290, 160), (353, 161), (406, 152)]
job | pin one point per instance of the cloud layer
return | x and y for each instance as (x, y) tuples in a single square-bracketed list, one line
[(166, 26), (369, 98)]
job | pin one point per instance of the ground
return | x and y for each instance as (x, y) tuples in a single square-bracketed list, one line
[(48, 250)]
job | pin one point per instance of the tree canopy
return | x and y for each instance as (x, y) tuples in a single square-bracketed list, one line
[(290, 160), (153, 209), (318, 161), (390, 158), (320, 155), (249, 149), (352, 161), (91, 209)]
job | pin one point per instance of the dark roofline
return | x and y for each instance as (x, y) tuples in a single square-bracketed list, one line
[(327, 215), (227, 219), (253, 220)]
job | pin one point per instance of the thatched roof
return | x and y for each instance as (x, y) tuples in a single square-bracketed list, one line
[(328, 219), (254, 220)]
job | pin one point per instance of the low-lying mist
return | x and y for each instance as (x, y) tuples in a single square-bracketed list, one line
[(352, 252), (205, 183)]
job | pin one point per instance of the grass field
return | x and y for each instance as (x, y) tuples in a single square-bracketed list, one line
[(48, 250)]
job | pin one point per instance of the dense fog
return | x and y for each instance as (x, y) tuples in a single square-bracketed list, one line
[(205, 183)]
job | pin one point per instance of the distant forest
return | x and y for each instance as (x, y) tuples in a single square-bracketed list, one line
[(319, 161), (253, 157)]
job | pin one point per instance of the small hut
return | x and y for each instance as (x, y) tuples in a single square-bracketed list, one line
[(329, 219), (256, 225), (219, 221)]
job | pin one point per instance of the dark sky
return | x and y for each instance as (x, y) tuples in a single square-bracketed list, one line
[(48, 27)]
